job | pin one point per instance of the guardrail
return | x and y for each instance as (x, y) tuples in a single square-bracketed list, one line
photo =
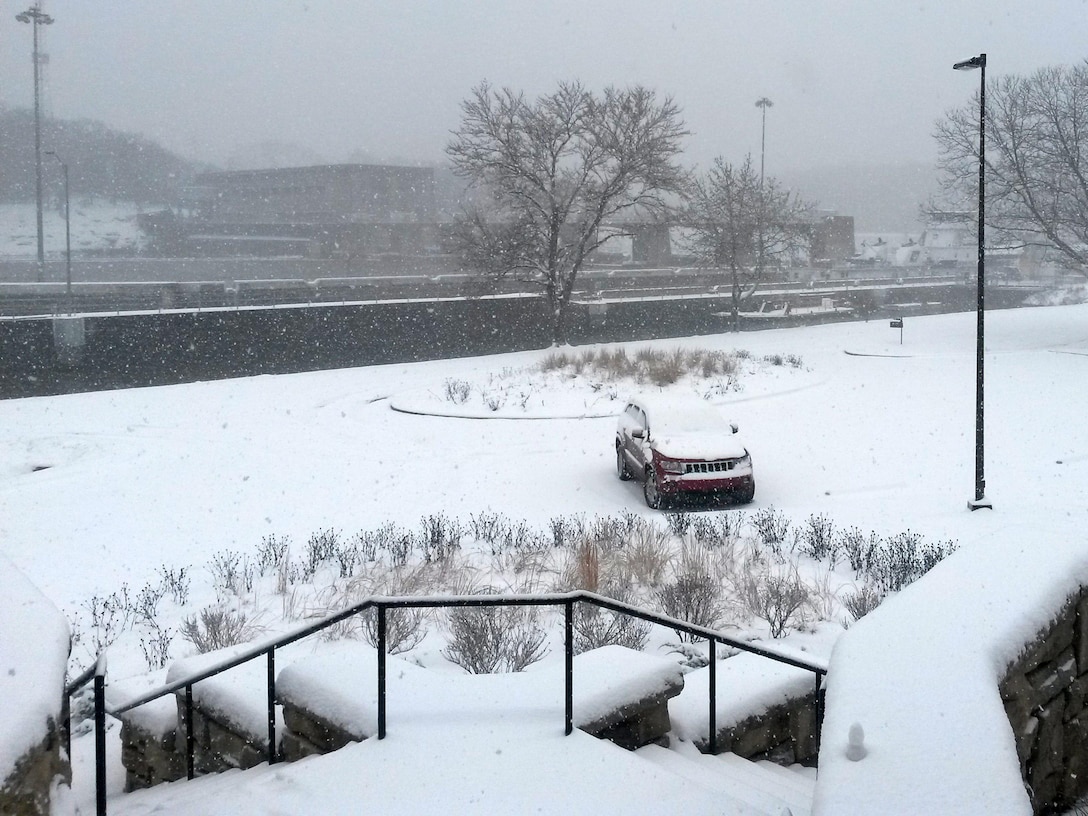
[(382, 604)]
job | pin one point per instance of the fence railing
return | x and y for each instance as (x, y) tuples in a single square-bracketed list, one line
[(381, 604)]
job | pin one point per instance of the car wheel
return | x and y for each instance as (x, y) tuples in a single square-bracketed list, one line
[(650, 491), (746, 495), (621, 465)]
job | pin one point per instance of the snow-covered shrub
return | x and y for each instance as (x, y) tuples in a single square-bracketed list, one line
[(111, 615), (441, 536), (714, 531), (489, 639), (595, 627), (679, 523), (321, 548), (176, 583), (862, 601), (857, 547), (566, 530), (904, 558), (457, 391), (695, 593), (692, 598), (772, 527), (146, 605), (217, 627), (272, 552), (818, 538), (226, 570), (779, 599), (156, 646), (405, 628)]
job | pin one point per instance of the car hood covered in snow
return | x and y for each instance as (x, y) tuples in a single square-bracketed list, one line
[(698, 445)]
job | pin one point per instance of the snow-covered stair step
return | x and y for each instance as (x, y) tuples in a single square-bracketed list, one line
[(736, 778), (800, 777), (769, 776)]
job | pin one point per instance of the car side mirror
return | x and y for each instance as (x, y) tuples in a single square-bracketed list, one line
[(733, 425), (638, 433)]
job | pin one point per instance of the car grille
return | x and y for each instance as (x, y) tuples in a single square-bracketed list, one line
[(710, 467)]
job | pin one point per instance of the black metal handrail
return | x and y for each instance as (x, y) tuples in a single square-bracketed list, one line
[(96, 672), (383, 603)]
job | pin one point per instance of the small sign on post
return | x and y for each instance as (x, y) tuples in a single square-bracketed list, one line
[(897, 323)]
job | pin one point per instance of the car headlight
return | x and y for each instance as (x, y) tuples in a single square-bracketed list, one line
[(672, 466), (745, 461)]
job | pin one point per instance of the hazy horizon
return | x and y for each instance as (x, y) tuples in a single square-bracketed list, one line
[(852, 82)]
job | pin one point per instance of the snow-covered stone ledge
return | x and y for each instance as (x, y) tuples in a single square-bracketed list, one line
[(34, 645), (939, 688), (330, 699), (764, 709)]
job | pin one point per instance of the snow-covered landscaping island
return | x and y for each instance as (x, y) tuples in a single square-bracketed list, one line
[(277, 499)]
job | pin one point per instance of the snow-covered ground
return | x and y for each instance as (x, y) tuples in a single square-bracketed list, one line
[(96, 225), (869, 433)]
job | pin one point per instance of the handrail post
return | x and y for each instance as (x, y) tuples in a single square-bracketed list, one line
[(381, 671), (100, 736), (818, 726), (712, 744), (190, 739), (568, 666), (272, 747)]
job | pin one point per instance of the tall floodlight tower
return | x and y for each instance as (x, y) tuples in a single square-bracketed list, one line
[(763, 103), (36, 17)]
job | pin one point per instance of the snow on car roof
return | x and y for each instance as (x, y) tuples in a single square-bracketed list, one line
[(680, 413)]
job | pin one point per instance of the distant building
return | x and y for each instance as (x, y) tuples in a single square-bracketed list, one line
[(832, 240), (322, 211), (325, 194)]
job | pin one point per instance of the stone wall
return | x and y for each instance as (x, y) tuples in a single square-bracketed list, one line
[(1046, 698), (785, 734), (27, 790), (150, 758)]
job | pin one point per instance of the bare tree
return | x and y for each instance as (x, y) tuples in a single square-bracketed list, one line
[(743, 224), (1036, 162), (553, 171)]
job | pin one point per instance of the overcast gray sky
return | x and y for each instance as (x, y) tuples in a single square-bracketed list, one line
[(851, 80)]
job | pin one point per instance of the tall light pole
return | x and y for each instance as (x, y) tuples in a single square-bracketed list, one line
[(67, 232), (980, 499), (36, 17), (763, 103)]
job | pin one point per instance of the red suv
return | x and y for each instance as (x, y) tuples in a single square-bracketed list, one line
[(681, 445)]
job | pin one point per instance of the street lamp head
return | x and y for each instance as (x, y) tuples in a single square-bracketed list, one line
[(35, 15), (971, 64), (764, 102)]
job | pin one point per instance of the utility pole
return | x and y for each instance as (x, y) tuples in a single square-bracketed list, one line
[(36, 17)]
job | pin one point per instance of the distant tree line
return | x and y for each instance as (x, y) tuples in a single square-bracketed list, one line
[(102, 162)]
